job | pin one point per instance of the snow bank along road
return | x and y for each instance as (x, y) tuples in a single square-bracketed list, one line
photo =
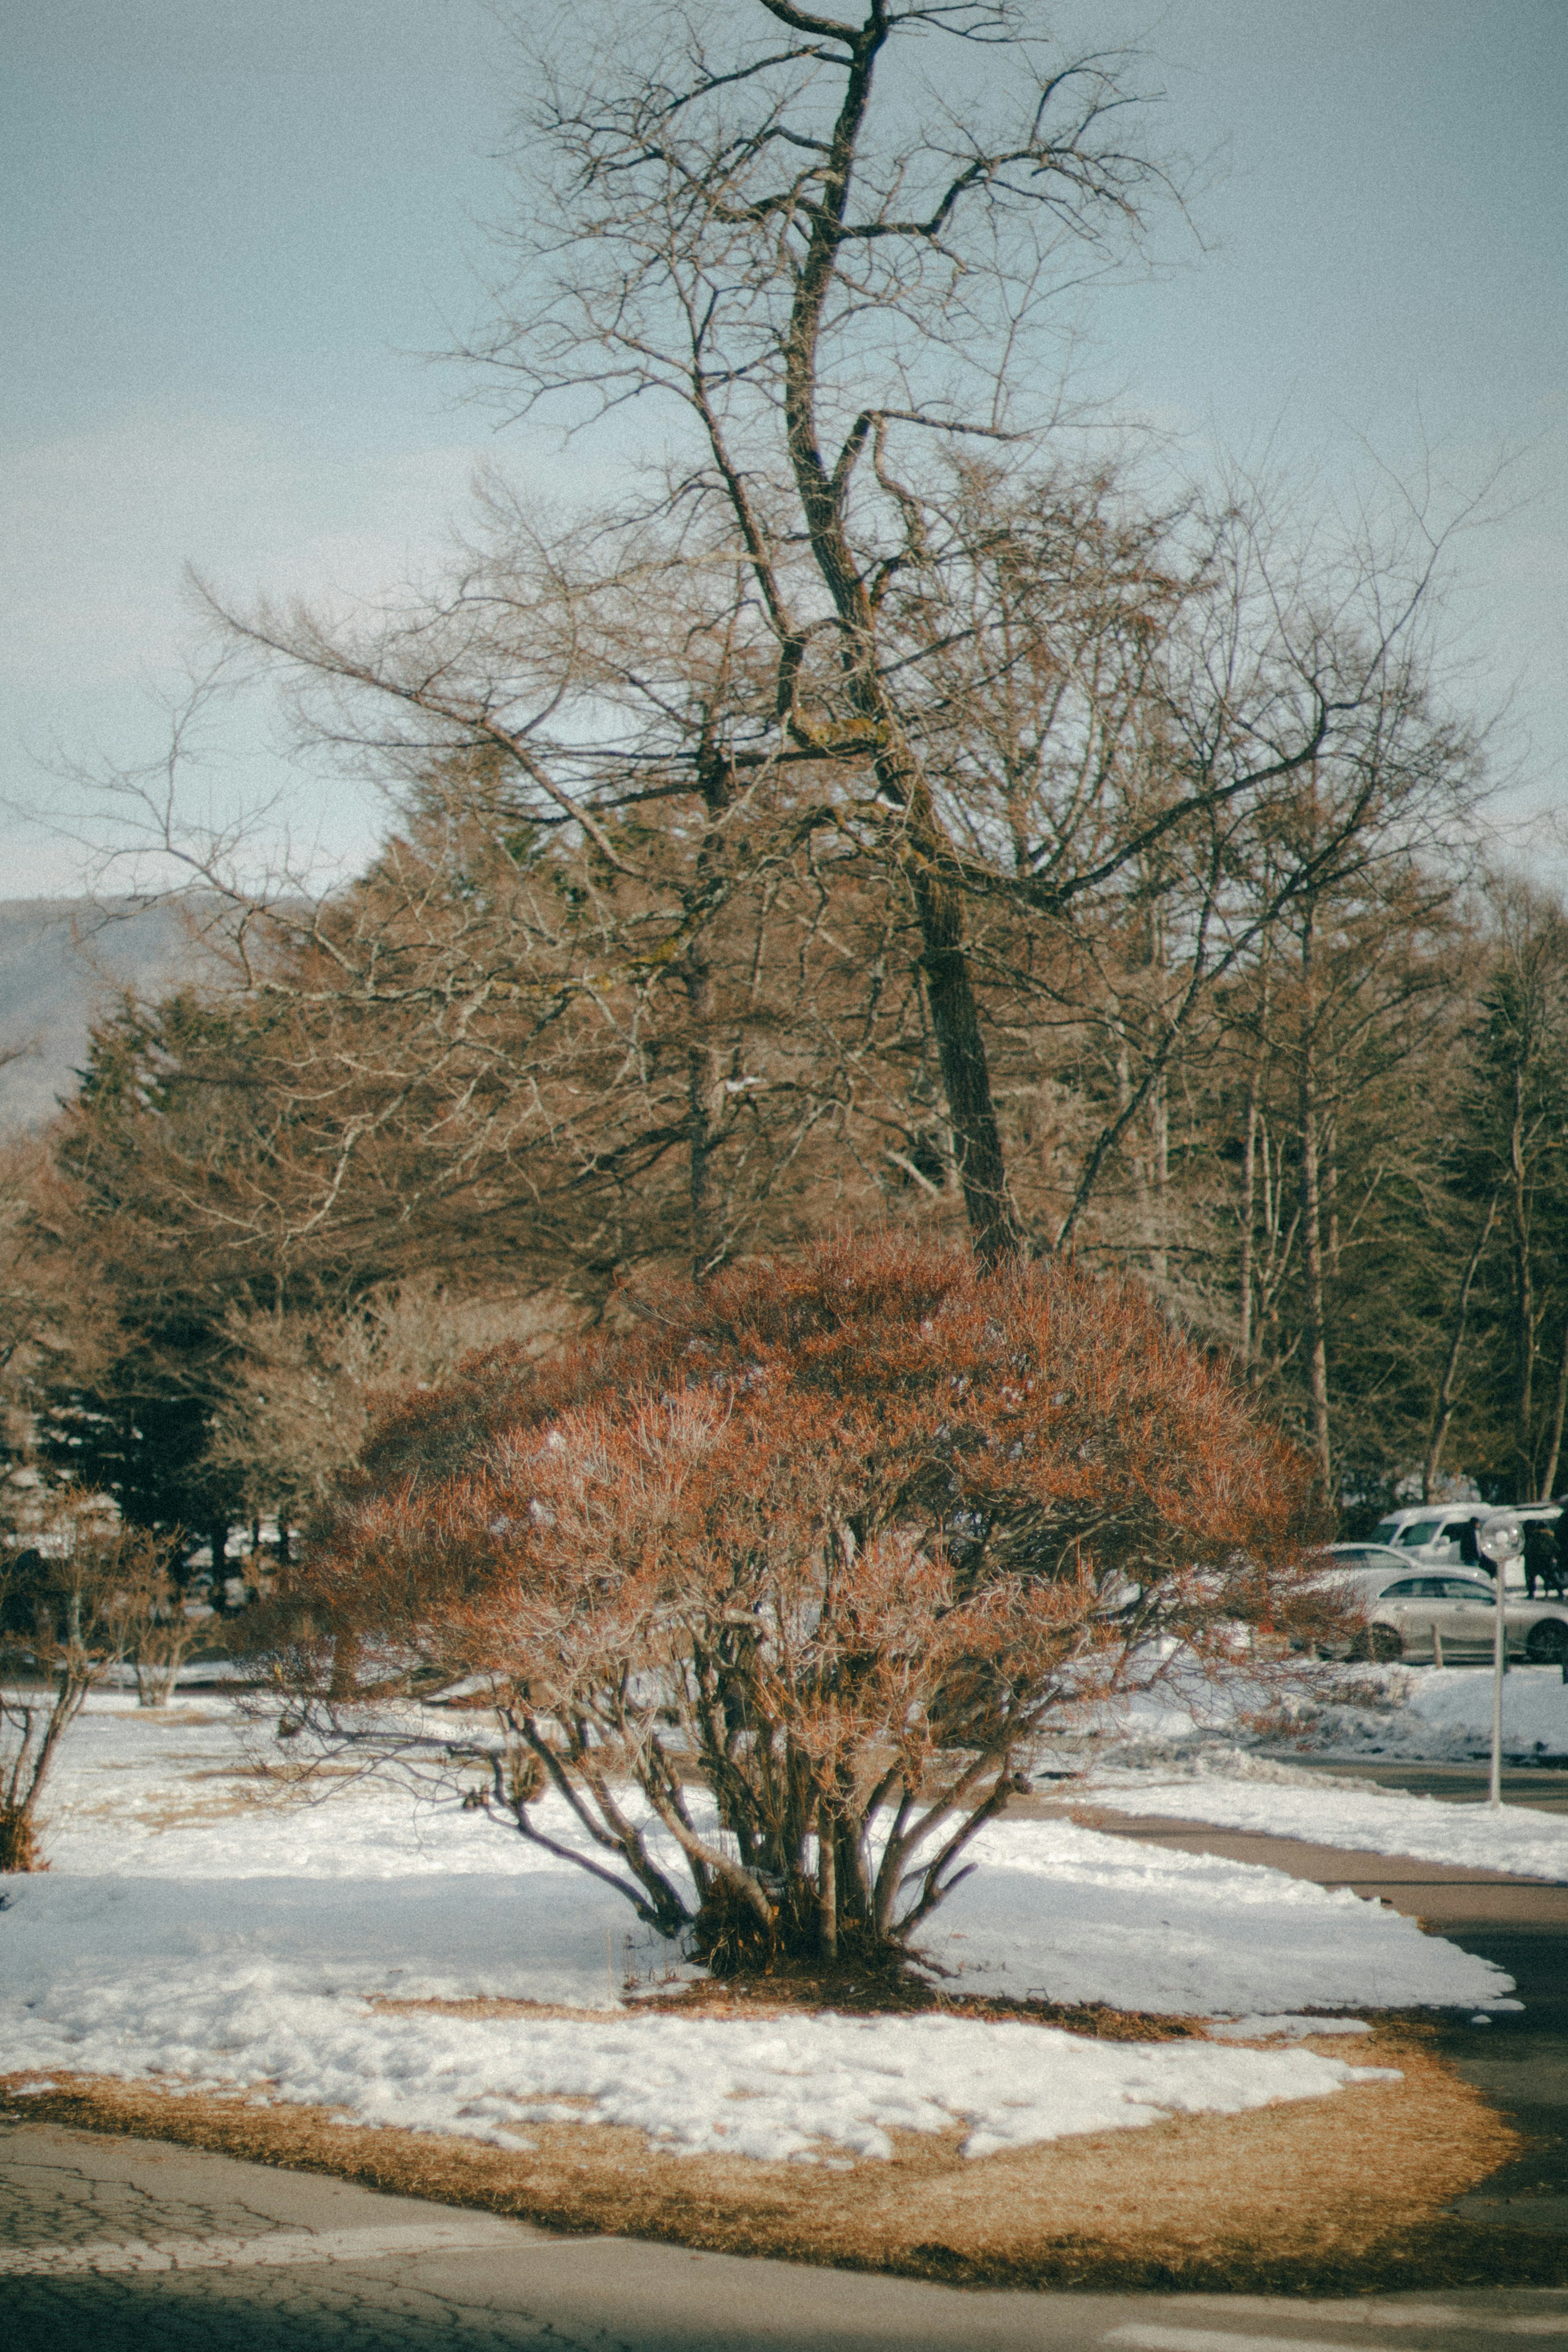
[(1350, 1714), (130, 2247), (185, 1934), (1300, 1803)]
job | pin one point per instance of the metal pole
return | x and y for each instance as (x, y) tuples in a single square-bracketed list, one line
[(1503, 1540), (1498, 1659)]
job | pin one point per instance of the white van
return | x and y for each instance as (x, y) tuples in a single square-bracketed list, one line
[(1430, 1532)]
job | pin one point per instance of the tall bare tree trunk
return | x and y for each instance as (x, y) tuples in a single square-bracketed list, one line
[(1523, 1300), (703, 1098), (965, 1071), (705, 1083), (1315, 1327), (1160, 1174), (1559, 1409), (1249, 1211), (1443, 1406), (827, 1883), (920, 843), (1312, 1277)]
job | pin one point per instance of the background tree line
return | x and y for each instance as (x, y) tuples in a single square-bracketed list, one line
[(872, 814), (479, 1109)]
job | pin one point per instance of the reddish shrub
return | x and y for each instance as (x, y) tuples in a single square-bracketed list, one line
[(837, 1538)]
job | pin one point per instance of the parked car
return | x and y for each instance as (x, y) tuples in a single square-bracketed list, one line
[(1372, 1557), (1406, 1615), (1431, 1529), (1433, 1534)]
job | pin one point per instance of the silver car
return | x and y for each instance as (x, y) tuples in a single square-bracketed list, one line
[(1409, 1616)]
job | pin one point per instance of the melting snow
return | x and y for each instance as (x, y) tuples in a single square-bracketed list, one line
[(186, 1932)]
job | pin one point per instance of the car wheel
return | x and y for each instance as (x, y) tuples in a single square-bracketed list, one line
[(1548, 1641), (1380, 1643)]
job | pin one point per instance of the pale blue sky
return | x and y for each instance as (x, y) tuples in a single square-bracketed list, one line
[(229, 230)]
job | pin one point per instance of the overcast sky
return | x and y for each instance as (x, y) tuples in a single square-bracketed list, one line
[(230, 230)]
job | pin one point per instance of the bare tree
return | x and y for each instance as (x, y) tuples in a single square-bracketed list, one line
[(1515, 1147), (798, 646), (748, 222), (73, 1602), (305, 1383), (1330, 1037), (1443, 1402)]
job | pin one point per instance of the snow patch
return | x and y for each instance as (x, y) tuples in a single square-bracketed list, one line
[(1226, 1789), (188, 1934)]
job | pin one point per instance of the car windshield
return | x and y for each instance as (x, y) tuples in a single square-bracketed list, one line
[(1420, 1533), (1384, 1532)]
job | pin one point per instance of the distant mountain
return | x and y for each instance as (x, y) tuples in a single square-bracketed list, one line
[(62, 960)]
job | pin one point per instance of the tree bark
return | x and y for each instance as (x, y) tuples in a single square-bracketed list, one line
[(965, 1074), (1248, 1197), (705, 1084), (1160, 1154), (1443, 1407), (1314, 1324), (919, 840), (827, 1884), (1559, 1410), (703, 1087), (1523, 1298)]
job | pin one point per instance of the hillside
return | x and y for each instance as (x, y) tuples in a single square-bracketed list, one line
[(61, 961)]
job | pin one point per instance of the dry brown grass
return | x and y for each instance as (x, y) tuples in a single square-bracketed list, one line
[(1337, 2195)]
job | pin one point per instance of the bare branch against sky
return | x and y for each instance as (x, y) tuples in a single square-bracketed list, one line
[(233, 230)]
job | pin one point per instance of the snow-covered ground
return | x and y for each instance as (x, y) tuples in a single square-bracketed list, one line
[(1398, 1713), (1062, 1914), (1440, 1716), (807, 2088), (1227, 1750), (1237, 1789), (191, 1927)]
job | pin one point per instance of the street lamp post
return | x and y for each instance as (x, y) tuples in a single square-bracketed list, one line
[(1504, 1541)]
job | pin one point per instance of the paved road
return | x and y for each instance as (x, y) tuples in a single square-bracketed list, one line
[(113, 2245), (1543, 1788), (1521, 2063), (1520, 2059)]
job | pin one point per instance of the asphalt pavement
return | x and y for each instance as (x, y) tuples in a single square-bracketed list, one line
[(118, 2245), (1540, 1788)]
